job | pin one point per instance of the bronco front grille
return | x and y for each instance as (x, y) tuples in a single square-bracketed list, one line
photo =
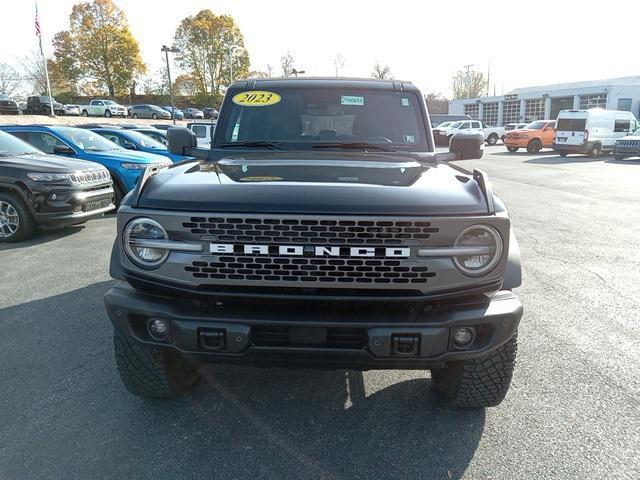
[(311, 231), (323, 270)]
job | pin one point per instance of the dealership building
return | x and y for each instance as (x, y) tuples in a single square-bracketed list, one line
[(540, 103)]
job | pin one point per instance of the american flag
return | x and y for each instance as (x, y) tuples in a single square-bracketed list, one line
[(37, 22)]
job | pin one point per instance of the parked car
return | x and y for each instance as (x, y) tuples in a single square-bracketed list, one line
[(442, 135), (161, 126), (179, 113), (125, 166), (210, 112), (534, 137), (96, 125), (193, 113), (72, 110), (40, 190), (203, 132), (512, 126), (157, 135), (41, 105), (149, 111), (627, 146), (591, 131), (8, 106), (439, 118), (103, 108), (134, 140)]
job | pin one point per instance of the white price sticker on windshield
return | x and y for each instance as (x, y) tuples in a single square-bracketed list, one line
[(351, 100)]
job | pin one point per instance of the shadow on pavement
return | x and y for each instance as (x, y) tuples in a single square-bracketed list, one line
[(43, 236), (65, 413), (558, 160)]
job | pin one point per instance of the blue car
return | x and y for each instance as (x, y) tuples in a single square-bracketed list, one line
[(179, 113), (125, 166), (133, 140)]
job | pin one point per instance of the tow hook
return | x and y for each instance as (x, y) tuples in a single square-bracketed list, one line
[(405, 345), (211, 339)]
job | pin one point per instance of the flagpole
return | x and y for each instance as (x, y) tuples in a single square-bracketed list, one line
[(44, 60)]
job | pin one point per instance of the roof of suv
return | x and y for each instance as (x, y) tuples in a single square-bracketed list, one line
[(336, 82)]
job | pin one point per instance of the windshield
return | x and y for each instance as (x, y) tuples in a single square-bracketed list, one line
[(445, 124), (109, 102), (88, 140), (10, 145), (304, 118), (536, 125), (144, 140), (454, 124)]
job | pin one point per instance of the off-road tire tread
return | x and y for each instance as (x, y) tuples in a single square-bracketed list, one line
[(479, 382), (146, 371)]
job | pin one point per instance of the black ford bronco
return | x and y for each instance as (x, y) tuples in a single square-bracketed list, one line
[(320, 230)]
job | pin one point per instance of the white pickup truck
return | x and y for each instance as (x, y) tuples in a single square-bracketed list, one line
[(442, 135), (103, 108)]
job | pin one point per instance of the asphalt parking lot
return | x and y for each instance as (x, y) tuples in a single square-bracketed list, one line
[(573, 410)]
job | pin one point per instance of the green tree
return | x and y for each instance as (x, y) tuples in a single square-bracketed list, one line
[(98, 49), (211, 47), (468, 84)]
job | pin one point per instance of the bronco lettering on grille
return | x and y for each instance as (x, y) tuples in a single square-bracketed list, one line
[(310, 250)]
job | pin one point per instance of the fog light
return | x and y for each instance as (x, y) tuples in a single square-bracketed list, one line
[(159, 329), (462, 337)]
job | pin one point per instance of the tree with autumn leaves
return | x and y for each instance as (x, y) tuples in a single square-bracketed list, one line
[(97, 52)]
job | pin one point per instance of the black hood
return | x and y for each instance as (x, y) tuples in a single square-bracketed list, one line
[(315, 182), (43, 163)]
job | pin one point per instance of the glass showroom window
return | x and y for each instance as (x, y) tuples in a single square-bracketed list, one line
[(534, 110), (490, 113), (511, 112), (593, 101), (472, 109)]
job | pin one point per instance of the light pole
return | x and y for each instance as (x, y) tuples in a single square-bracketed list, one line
[(166, 51)]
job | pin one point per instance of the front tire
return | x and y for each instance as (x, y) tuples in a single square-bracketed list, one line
[(107, 113), (85, 113), (534, 146), (512, 149), (154, 116), (16, 222), (618, 158), (135, 115), (153, 372), (493, 139), (595, 151), (479, 382)]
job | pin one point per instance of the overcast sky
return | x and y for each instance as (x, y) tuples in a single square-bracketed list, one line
[(527, 43)]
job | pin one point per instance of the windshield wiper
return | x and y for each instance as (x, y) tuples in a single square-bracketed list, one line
[(255, 144), (355, 146)]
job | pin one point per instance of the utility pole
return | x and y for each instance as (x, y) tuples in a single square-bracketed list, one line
[(166, 51)]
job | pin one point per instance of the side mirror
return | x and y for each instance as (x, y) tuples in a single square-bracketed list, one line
[(467, 145), (63, 150), (181, 140)]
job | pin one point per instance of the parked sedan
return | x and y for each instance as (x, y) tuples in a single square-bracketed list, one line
[(72, 110), (193, 113), (8, 106), (179, 113), (132, 140), (54, 191), (149, 111), (125, 166)]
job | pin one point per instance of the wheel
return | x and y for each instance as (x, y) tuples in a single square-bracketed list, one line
[(595, 151), (153, 372), (534, 146), (478, 382), (16, 222), (119, 191), (563, 154), (135, 115), (493, 139), (512, 149), (154, 116), (107, 113), (85, 113), (618, 158)]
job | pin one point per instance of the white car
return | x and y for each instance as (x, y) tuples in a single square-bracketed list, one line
[(591, 131), (72, 110), (103, 108), (442, 134)]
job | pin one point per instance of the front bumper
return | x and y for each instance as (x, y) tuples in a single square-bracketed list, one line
[(71, 207), (314, 334)]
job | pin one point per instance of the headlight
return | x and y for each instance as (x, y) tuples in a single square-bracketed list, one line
[(49, 177), (139, 234), (479, 236)]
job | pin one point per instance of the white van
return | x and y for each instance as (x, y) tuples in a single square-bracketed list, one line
[(591, 131), (204, 132)]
